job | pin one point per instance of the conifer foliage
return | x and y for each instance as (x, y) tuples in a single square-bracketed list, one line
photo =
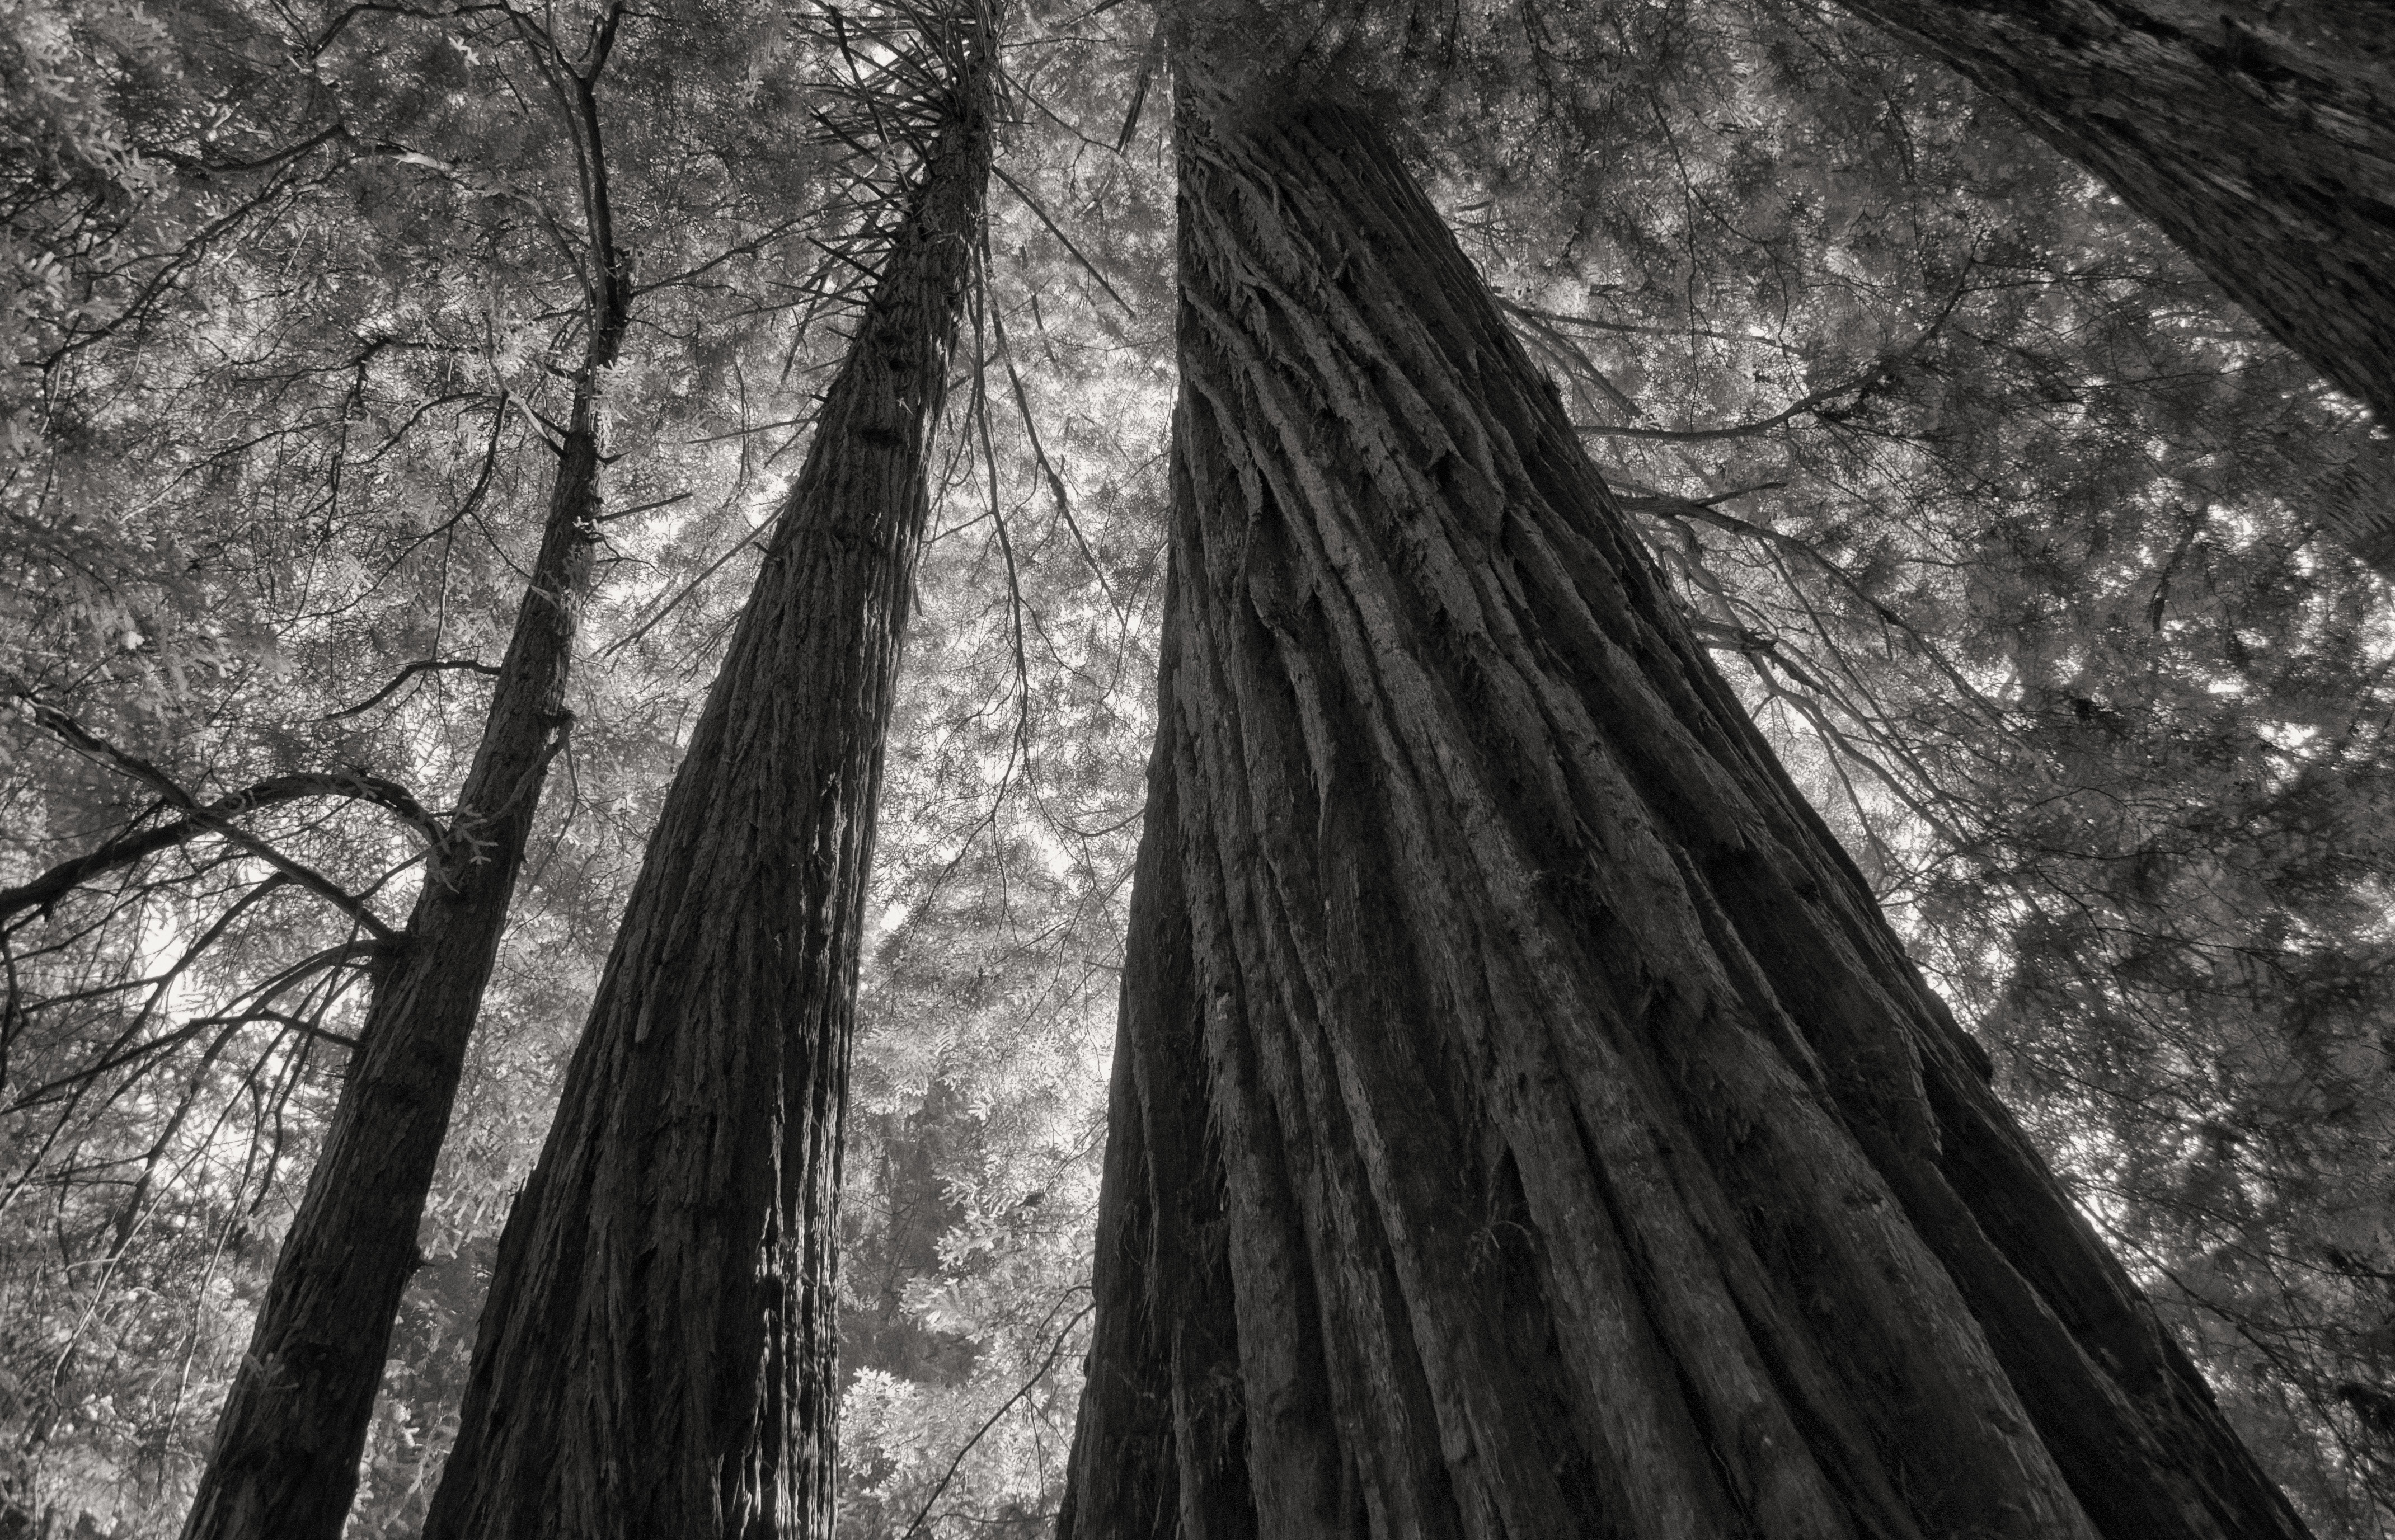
[(2260, 138), (362, 359)]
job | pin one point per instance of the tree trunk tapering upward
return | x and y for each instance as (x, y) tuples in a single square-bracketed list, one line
[(1523, 1121), (2258, 134), (656, 1357), (284, 1463)]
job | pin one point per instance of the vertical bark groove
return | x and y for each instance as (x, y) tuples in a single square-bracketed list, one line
[(657, 1354), (1582, 1155)]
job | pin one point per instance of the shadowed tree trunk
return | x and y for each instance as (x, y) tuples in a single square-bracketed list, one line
[(1523, 1121), (2258, 134), (285, 1463), (657, 1354)]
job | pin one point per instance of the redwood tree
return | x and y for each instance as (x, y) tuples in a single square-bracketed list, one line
[(285, 1463), (1523, 1121), (657, 1354), (2260, 136)]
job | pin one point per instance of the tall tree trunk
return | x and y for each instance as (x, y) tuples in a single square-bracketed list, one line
[(2258, 134), (284, 1463), (657, 1356), (1524, 1123)]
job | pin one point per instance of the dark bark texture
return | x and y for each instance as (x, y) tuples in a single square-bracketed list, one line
[(284, 1463), (657, 1354), (2258, 134), (1522, 1122)]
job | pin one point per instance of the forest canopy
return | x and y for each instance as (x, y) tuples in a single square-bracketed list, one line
[(2030, 552)]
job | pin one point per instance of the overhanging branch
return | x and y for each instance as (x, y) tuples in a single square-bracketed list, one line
[(93, 747), (422, 666)]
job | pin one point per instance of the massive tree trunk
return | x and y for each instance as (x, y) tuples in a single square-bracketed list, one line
[(2258, 134), (1524, 1123), (284, 1463), (657, 1354)]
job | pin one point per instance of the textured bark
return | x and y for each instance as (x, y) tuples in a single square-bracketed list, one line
[(657, 1354), (284, 1463), (2258, 134), (1524, 1123)]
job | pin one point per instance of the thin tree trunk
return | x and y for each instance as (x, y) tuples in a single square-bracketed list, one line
[(284, 1463), (1523, 1121), (2258, 134), (657, 1354)]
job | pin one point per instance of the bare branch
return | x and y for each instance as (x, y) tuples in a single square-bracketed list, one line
[(116, 1053), (424, 666), (1811, 404), (1038, 451), (315, 882), (1053, 229), (1037, 1375), (139, 845)]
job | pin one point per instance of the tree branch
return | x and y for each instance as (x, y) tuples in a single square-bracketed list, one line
[(315, 882), (422, 666), (1089, 267), (1041, 1372), (1863, 384), (139, 845)]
